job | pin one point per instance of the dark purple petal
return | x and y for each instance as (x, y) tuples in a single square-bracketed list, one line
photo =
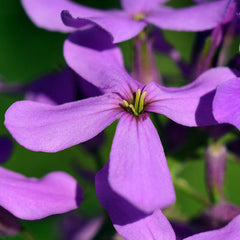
[(55, 88), (190, 105), (31, 198), (92, 55), (120, 25), (226, 104), (190, 18), (47, 13), (130, 222), (231, 231), (6, 147), (138, 169), (49, 128)]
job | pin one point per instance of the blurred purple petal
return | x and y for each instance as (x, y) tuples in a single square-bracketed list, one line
[(190, 18), (138, 169), (43, 127), (6, 148), (120, 25), (57, 88), (131, 223), (190, 105), (76, 227), (31, 198), (47, 13), (226, 104)]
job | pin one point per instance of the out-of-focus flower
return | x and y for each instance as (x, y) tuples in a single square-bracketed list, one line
[(31, 198), (138, 170), (127, 23), (220, 214), (6, 147)]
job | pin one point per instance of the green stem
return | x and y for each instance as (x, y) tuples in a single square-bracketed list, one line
[(27, 235), (187, 188)]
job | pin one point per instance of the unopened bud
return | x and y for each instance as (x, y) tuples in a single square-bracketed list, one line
[(215, 170)]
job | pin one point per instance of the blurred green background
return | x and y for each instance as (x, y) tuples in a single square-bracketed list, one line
[(27, 52)]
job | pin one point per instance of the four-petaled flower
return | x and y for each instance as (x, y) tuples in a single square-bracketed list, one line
[(137, 167)]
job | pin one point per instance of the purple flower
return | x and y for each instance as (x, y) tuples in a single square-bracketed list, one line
[(31, 198), (226, 104), (127, 23), (138, 169)]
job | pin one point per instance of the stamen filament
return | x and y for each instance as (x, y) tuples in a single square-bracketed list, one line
[(125, 103), (133, 109)]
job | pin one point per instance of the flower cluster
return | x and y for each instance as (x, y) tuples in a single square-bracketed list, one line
[(76, 104)]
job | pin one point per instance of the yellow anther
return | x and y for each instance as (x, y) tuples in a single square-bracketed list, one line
[(125, 103), (135, 105)]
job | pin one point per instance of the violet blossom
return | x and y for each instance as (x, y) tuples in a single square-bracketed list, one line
[(31, 198), (138, 169), (127, 23), (6, 148)]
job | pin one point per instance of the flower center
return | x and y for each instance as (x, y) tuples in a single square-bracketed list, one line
[(139, 16), (136, 105)]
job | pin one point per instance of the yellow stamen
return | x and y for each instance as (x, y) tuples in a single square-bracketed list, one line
[(141, 102)]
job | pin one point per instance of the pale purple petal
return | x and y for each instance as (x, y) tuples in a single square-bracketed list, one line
[(138, 169), (48, 128), (190, 105), (190, 18), (47, 13), (92, 55), (6, 148), (140, 6), (120, 25), (130, 222), (226, 104), (230, 232), (31, 198)]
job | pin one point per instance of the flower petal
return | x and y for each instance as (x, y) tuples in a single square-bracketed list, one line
[(47, 13), (140, 6), (92, 55), (49, 128), (231, 231), (138, 169), (190, 18), (31, 198), (190, 105), (226, 104), (120, 25), (129, 221)]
